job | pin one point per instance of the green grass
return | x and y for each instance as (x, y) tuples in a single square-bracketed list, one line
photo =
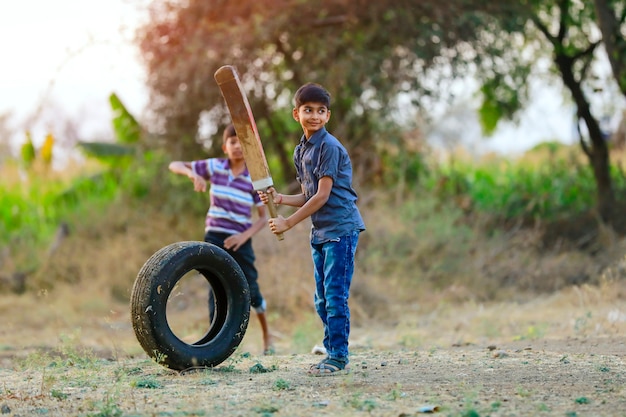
[(517, 190)]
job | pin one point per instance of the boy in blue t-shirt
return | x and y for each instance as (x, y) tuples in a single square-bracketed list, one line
[(228, 221), (324, 171)]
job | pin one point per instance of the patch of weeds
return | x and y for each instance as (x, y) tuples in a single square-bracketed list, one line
[(470, 413), (433, 350), (207, 380), (523, 392), (396, 393), (582, 400), (367, 404), (495, 406), (281, 385), (135, 370), (543, 408), (159, 357), (59, 395), (149, 382), (73, 356), (403, 362), (35, 360), (258, 368), (47, 380), (468, 408), (571, 414), (604, 369), (265, 410), (106, 408), (232, 362), (564, 359)]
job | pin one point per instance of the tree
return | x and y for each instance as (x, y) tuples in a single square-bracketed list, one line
[(366, 53), (369, 55), (611, 16), (568, 26)]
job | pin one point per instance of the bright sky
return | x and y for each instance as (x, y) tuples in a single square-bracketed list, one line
[(70, 54)]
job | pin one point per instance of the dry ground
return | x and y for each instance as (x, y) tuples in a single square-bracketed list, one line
[(562, 355)]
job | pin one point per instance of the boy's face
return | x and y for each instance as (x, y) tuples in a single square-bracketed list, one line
[(312, 117), (232, 148)]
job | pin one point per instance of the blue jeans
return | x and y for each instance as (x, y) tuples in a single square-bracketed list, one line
[(334, 266)]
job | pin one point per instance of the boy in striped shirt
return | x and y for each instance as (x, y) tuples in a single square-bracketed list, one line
[(228, 221)]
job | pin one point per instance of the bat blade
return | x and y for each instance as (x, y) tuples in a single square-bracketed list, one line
[(241, 114)]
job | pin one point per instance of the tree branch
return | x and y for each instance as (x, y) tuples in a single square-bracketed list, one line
[(563, 21)]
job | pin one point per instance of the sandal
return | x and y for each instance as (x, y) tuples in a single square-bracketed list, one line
[(328, 367)]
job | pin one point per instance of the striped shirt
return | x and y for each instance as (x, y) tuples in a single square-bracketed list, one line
[(232, 198)]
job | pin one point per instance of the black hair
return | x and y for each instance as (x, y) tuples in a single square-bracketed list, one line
[(312, 93), (229, 132)]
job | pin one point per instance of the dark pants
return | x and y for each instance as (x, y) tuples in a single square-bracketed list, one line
[(245, 258)]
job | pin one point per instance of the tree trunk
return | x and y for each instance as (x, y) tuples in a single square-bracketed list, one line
[(597, 151), (613, 40)]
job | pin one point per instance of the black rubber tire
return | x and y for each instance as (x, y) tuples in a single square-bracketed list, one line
[(151, 291)]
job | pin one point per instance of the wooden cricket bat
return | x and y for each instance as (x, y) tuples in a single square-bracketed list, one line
[(247, 132)]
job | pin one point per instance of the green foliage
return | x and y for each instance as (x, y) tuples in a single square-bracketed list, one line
[(31, 212), (128, 134), (266, 410), (59, 395), (27, 151), (371, 56), (489, 114), (281, 385), (127, 129), (150, 383), (33, 209), (515, 190), (105, 151), (106, 408), (258, 368), (363, 404)]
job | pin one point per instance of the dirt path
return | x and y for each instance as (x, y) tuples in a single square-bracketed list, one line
[(562, 355), (577, 377)]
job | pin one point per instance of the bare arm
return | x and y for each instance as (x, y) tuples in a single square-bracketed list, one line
[(281, 224), (324, 186), (294, 200), (184, 168)]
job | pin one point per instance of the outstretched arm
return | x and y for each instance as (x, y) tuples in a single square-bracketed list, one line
[(184, 168)]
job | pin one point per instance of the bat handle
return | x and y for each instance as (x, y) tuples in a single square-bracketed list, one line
[(273, 213)]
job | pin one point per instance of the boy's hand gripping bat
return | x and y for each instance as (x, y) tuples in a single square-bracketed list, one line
[(241, 114)]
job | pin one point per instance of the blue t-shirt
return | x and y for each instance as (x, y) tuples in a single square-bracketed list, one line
[(324, 156)]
